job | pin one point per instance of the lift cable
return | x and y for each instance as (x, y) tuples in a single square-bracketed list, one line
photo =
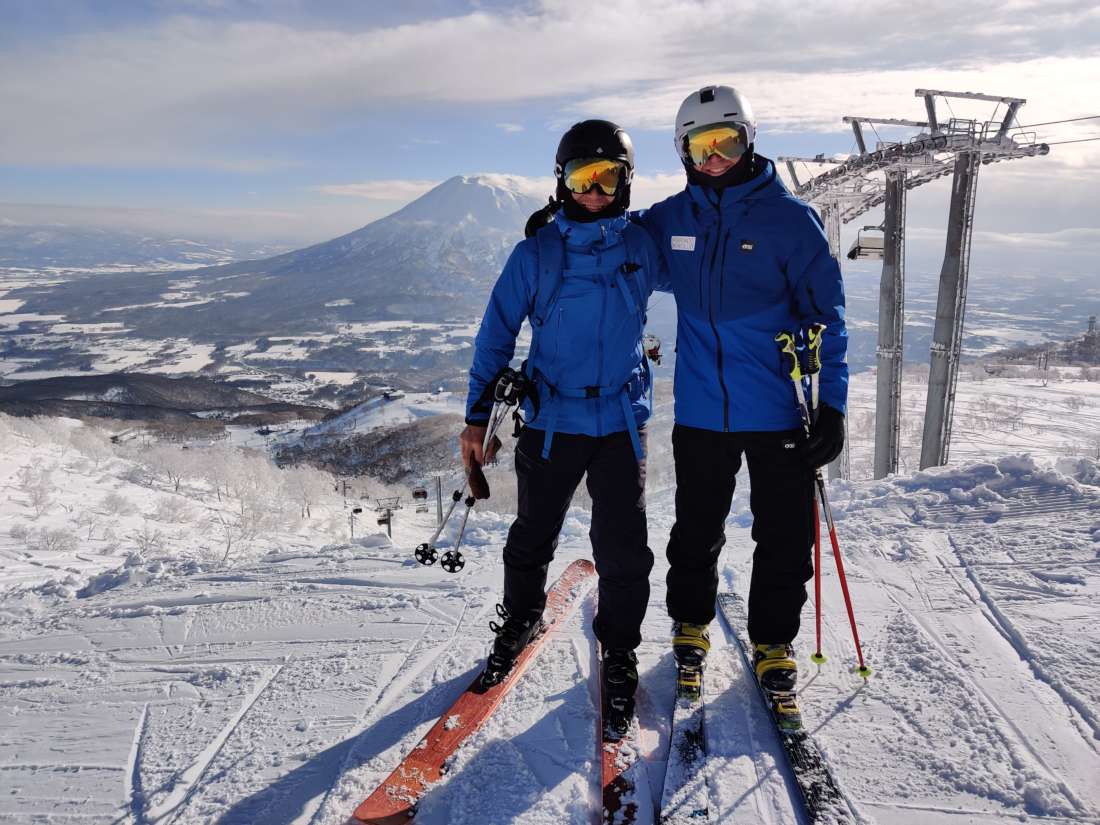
[(1053, 122), (1082, 140)]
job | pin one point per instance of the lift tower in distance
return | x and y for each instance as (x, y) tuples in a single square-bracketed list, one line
[(884, 175)]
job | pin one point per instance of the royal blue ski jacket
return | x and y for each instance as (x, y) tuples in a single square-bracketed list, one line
[(744, 265), (587, 327)]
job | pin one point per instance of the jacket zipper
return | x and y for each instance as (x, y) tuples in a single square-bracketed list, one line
[(714, 326)]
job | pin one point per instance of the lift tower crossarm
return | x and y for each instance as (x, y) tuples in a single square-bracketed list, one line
[(925, 93), (814, 159), (888, 121)]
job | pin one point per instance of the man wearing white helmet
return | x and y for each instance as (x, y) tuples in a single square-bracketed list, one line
[(747, 260)]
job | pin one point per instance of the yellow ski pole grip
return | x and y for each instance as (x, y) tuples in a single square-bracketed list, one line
[(786, 343), (813, 345)]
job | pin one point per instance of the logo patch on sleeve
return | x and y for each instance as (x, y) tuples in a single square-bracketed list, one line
[(683, 243), (746, 246)]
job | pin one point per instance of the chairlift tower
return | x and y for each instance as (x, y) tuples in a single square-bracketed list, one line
[(884, 175), (386, 507)]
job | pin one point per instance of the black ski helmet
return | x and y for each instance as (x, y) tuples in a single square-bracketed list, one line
[(595, 139)]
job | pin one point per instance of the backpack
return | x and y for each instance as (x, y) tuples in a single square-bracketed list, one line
[(632, 286)]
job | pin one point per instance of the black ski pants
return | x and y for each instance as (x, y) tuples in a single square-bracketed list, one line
[(781, 500), (616, 482)]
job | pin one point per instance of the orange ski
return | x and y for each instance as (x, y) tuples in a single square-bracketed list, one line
[(394, 801)]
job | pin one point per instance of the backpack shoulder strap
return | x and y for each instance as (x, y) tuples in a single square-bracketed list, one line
[(636, 240), (551, 259)]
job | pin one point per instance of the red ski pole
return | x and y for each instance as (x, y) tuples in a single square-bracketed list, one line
[(786, 341), (817, 657)]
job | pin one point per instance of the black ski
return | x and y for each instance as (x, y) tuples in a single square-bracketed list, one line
[(821, 795), (685, 799)]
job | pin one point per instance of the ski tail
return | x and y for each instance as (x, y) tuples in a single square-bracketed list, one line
[(394, 802)]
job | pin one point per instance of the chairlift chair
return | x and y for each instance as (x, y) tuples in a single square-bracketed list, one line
[(868, 245)]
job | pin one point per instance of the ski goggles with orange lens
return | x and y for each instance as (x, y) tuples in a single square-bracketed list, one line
[(581, 175), (726, 139)]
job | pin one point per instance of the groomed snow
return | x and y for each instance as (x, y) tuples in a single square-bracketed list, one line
[(282, 684)]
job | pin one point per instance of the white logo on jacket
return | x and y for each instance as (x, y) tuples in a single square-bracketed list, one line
[(683, 243)]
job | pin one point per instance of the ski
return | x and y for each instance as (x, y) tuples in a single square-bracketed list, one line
[(624, 780), (394, 802), (685, 799), (821, 795)]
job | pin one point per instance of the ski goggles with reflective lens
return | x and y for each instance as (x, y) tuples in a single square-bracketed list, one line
[(726, 139), (582, 174)]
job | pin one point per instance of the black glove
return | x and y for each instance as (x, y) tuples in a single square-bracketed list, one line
[(540, 218), (826, 438)]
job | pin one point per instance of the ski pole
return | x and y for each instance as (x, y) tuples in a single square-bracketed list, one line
[(508, 390), (786, 342), (813, 369), (813, 364), (453, 560)]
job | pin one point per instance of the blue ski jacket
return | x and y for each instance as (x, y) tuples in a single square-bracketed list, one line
[(584, 287), (745, 264)]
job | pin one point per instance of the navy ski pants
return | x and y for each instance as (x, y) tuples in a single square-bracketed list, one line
[(616, 482), (781, 500)]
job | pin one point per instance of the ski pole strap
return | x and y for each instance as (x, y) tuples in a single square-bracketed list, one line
[(813, 347), (787, 350)]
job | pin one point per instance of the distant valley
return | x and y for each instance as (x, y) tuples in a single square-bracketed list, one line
[(396, 303)]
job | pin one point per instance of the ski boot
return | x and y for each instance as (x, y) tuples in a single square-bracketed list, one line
[(777, 673), (690, 643), (619, 672), (513, 635)]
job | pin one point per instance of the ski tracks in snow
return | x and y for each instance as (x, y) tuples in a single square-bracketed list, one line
[(190, 779)]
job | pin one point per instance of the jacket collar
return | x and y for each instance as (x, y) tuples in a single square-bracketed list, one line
[(765, 185), (605, 231)]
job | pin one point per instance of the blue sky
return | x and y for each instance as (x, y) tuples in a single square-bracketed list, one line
[(299, 121)]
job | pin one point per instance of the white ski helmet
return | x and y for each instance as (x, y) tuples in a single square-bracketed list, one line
[(712, 104)]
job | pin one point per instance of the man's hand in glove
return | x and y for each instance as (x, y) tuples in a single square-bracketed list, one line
[(826, 440), (540, 218)]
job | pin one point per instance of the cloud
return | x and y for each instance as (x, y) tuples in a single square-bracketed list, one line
[(199, 90), (383, 190), (510, 128)]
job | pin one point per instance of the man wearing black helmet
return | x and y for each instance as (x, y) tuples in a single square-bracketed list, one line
[(583, 280), (746, 261)]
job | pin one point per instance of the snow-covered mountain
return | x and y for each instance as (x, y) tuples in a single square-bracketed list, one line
[(433, 258)]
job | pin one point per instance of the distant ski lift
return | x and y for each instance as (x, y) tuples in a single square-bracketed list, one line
[(868, 245), (420, 496)]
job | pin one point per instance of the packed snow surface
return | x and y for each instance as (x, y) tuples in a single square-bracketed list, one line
[(281, 682)]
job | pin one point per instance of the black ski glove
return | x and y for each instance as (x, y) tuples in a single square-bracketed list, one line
[(540, 218), (826, 439)]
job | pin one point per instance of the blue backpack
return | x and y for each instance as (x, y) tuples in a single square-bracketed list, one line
[(565, 300)]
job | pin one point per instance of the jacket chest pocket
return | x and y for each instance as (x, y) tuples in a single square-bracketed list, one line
[(577, 330), (751, 280)]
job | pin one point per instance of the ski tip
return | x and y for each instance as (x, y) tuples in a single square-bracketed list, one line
[(818, 658), (864, 671)]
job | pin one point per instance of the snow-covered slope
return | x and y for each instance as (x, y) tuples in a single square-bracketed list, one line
[(282, 684), (404, 408)]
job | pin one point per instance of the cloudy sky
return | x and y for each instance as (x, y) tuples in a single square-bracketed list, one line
[(302, 119)]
